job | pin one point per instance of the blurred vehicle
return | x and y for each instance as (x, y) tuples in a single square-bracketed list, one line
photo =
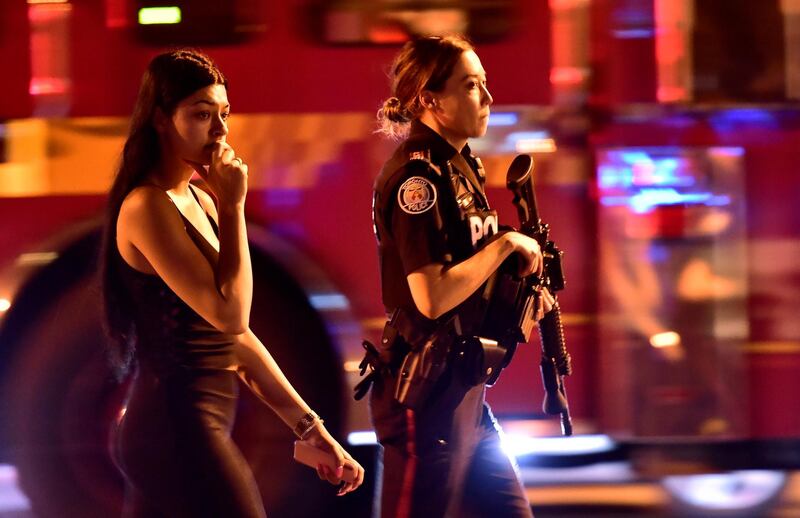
[(677, 219)]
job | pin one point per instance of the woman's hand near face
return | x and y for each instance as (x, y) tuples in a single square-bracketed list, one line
[(226, 175)]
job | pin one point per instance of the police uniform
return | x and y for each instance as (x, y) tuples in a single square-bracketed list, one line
[(443, 458)]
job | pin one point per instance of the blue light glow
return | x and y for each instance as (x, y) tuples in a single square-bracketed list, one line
[(14, 501), (733, 119), (634, 34), (739, 490), (647, 199), (329, 301), (517, 445), (729, 152), (503, 119), (362, 438), (641, 169), (283, 197), (527, 135), (646, 178), (753, 115)]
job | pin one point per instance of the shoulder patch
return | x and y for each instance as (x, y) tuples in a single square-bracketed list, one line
[(416, 195)]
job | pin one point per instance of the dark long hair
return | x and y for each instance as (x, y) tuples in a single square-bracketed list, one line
[(170, 78), (422, 64)]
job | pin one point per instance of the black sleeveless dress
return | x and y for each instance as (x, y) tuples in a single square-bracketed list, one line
[(174, 443)]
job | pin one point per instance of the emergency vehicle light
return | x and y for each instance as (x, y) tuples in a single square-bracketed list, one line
[(159, 15)]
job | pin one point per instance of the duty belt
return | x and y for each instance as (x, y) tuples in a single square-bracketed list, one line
[(427, 349)]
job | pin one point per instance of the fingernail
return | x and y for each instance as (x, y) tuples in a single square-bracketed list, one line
[(339, 471)]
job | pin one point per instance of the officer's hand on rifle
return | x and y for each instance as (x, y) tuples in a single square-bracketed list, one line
[(529, 252)]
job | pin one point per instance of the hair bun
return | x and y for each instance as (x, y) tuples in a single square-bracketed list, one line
[(394, 111)]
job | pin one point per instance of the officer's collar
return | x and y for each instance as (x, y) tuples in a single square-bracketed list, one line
[(440, 149)]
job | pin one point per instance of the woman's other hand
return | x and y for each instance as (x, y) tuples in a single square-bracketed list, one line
[(322, 439)]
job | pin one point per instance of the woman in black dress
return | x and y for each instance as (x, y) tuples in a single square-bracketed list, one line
[(178, 289)]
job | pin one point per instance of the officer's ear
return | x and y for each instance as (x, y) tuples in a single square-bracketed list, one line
[(428, 100)]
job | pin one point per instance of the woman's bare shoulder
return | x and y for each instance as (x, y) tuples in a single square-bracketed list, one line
[(145, 202)]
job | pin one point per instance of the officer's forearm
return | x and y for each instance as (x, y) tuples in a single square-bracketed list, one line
[(437, 288)]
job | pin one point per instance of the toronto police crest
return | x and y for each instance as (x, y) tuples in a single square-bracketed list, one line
[(416, 195)]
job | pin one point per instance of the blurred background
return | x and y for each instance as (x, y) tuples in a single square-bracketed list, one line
[(666, 136)]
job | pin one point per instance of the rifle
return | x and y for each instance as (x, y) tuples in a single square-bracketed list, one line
[(510, 315)]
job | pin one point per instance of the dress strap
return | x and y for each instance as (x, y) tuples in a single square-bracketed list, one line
[(210, 219)]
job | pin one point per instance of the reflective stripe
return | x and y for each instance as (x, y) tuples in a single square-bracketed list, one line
[(406, 492)]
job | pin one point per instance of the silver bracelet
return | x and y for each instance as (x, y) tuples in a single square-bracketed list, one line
[(306, 424)]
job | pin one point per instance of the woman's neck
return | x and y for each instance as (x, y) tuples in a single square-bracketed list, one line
[(428, 119), (172, 174)]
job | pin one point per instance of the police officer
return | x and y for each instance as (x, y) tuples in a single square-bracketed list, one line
[(438, 244)]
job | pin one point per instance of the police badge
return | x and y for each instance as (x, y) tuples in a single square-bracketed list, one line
[(416, 195)]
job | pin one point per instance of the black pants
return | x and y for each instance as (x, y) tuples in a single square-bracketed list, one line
[(444, 459)]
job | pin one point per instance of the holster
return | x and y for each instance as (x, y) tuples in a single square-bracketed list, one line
[(421, 369), (481, 359), (430, 345)]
